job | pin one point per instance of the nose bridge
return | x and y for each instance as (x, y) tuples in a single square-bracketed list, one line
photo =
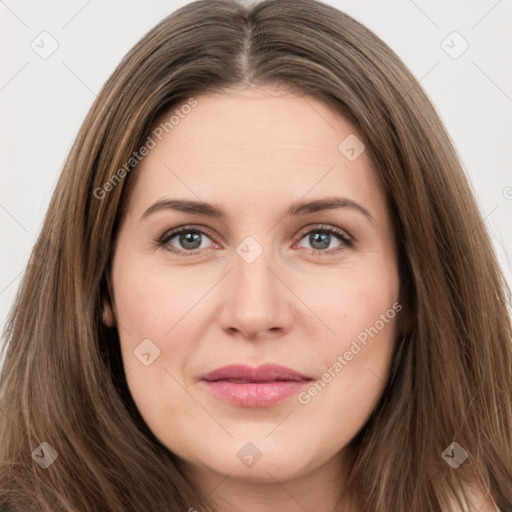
[(253, 279), (256, 298)]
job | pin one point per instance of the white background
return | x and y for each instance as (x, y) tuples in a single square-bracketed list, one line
[(44, 101)]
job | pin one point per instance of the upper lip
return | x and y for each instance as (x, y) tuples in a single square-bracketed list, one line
[(264, 373)]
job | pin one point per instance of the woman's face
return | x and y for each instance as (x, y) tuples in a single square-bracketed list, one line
[(266, 283)]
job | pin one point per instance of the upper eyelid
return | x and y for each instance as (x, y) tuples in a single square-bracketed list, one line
[(170, 233)]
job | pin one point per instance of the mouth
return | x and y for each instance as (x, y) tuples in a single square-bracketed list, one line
[(264, 386)]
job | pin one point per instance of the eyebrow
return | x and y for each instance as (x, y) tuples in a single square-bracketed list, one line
[(296, 209)]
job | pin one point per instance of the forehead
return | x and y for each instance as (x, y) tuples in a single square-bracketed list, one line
[(252, 117), (254, 142)]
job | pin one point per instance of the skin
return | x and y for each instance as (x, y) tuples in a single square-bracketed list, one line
[(254, 151)]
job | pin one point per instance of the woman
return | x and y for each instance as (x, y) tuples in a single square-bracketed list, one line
[(369, 371)]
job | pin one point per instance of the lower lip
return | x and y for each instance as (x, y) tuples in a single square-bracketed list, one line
[(254, 394)]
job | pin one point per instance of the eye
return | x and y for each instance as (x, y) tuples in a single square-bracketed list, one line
[(321, 237), (187, 238)]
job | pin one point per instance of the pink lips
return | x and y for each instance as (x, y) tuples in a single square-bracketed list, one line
[(254, 387)]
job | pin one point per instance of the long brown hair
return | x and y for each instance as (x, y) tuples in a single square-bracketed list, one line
[(63, 382)]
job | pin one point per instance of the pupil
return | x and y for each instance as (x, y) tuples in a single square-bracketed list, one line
[(314, 238), (187, 239)]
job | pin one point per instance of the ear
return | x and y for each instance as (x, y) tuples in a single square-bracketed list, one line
[(108, 314)]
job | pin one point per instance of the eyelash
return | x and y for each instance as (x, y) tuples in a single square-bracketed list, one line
[(347, 242)]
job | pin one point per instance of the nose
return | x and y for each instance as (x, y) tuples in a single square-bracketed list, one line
[(257, 302)]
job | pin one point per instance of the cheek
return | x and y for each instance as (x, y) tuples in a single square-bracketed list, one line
[(151, 305), (151, 299), (342, 303), (356, 351), (157, 337), (341, 400)]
